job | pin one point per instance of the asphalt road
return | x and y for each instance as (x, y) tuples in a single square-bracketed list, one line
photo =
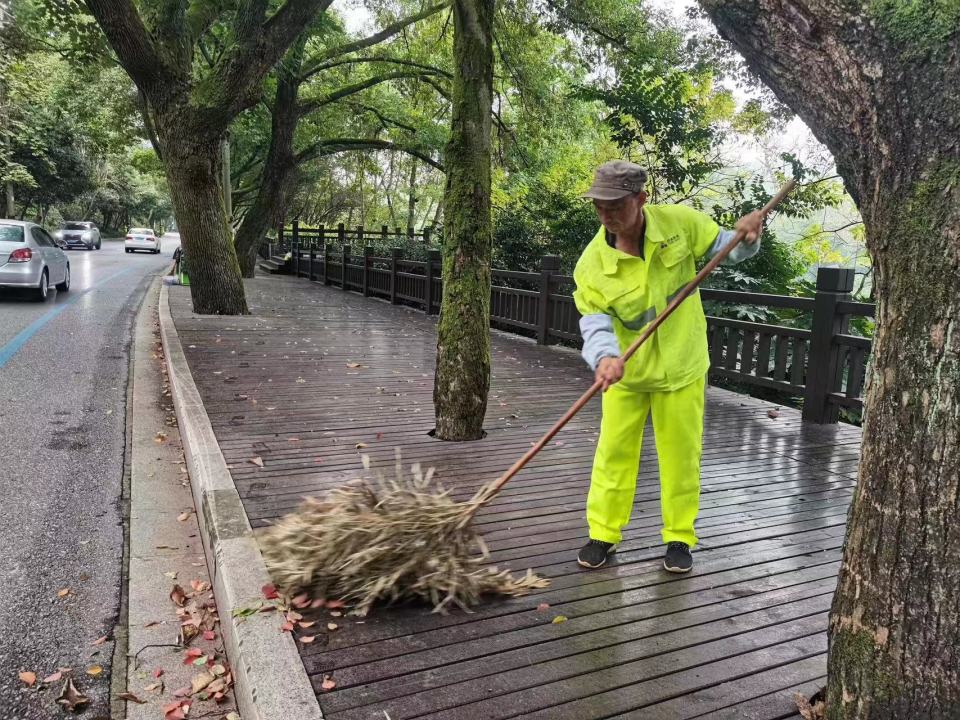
[(63, 392)]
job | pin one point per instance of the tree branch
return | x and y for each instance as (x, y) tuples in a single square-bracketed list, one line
[(338, 145), (130, 39), (375, 59), (374, 39), (313, 105)]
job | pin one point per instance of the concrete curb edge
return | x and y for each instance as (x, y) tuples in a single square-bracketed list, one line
[(270, 680)]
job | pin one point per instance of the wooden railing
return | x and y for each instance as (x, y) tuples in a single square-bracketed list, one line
[(825, 365)]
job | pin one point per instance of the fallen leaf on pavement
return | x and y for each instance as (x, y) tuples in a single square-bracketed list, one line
[(28, 678), (199, 682), (171, 575), (258, 461), (559, 619), (335, 604), (209, 635), (335, 613), (178, 596), (232, 716), (154, 686), (63, 593), (307, 638), (158, 672), (773, 414), (332, 626), (328, 683), (270, 592), (319, 603), (100, 640), (94, 670), (151, 624), (70, 697), (182, 692), (218, 670), (355, 365), (184, 516), (132, 698), (287, 627), (308, 623), (56, 677), (543, 606), (301, 601)]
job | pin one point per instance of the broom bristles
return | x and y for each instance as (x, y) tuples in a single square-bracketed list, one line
[(393, 539)]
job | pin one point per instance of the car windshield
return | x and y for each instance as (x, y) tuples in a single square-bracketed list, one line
[(11, 233), (76, 226), (141, 231)]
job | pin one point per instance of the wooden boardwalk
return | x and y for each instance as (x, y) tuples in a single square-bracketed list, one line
[(732, 640)]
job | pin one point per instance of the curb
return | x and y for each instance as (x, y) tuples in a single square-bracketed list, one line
[(270, 680)]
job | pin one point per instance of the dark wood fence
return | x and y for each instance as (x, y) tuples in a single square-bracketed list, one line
[(825, 365)]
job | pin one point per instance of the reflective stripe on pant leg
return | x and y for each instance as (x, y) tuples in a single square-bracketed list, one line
[(616, 463), (678, 431)]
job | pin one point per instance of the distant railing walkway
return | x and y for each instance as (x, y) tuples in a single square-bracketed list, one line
[(825, 365)]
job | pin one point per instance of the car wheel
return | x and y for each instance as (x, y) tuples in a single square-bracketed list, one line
[(43, 290), (98, 246), (65, 285)]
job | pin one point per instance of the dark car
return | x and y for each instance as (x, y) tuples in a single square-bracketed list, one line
[(77, 234)]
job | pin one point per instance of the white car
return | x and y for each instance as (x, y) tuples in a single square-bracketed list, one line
[(29, 258), (141, 239)]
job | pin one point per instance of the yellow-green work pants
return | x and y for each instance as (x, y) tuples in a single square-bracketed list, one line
[(678, 431)]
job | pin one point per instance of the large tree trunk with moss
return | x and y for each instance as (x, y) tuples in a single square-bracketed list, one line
[(193, 167), (876, 82), (463, 333)]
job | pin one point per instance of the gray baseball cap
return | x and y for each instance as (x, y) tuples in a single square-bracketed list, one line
[(616, 179)]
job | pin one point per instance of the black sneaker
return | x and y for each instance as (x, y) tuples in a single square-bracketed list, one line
[(594, 553), (677, 558)]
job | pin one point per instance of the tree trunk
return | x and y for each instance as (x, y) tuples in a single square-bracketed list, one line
[(463, 333), (412, 194), (876, 83), (279, 175), (193, 173)]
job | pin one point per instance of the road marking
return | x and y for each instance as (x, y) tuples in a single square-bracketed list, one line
[(20, 339)]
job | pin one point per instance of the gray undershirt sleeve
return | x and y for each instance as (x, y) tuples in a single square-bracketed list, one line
[(599, 340), (741, 252)]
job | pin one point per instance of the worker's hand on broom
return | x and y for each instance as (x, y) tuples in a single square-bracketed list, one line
[(752, 226), (609, 371)]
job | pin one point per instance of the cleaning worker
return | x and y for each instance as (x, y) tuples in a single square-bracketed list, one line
[(642, 256)]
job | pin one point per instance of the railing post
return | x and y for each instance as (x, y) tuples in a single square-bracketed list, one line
[(322, 255), (433, 256), (550, 265), (295, 246), (313, 257), (326, 263), (426, 235), (394, 260), (280, 239), (344, 259), (342, 239), (823, 372), (367, 254)]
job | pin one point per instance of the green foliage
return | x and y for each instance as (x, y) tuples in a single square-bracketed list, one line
[(917, 26)]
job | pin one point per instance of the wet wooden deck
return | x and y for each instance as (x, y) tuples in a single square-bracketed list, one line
[(734, 639)]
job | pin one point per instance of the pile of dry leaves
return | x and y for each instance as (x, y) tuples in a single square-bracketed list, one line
[(395, 538)]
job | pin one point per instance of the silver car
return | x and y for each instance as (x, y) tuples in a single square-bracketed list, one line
[(29, 258), (78, 234)]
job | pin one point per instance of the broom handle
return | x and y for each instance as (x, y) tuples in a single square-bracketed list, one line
[(634, 346)]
